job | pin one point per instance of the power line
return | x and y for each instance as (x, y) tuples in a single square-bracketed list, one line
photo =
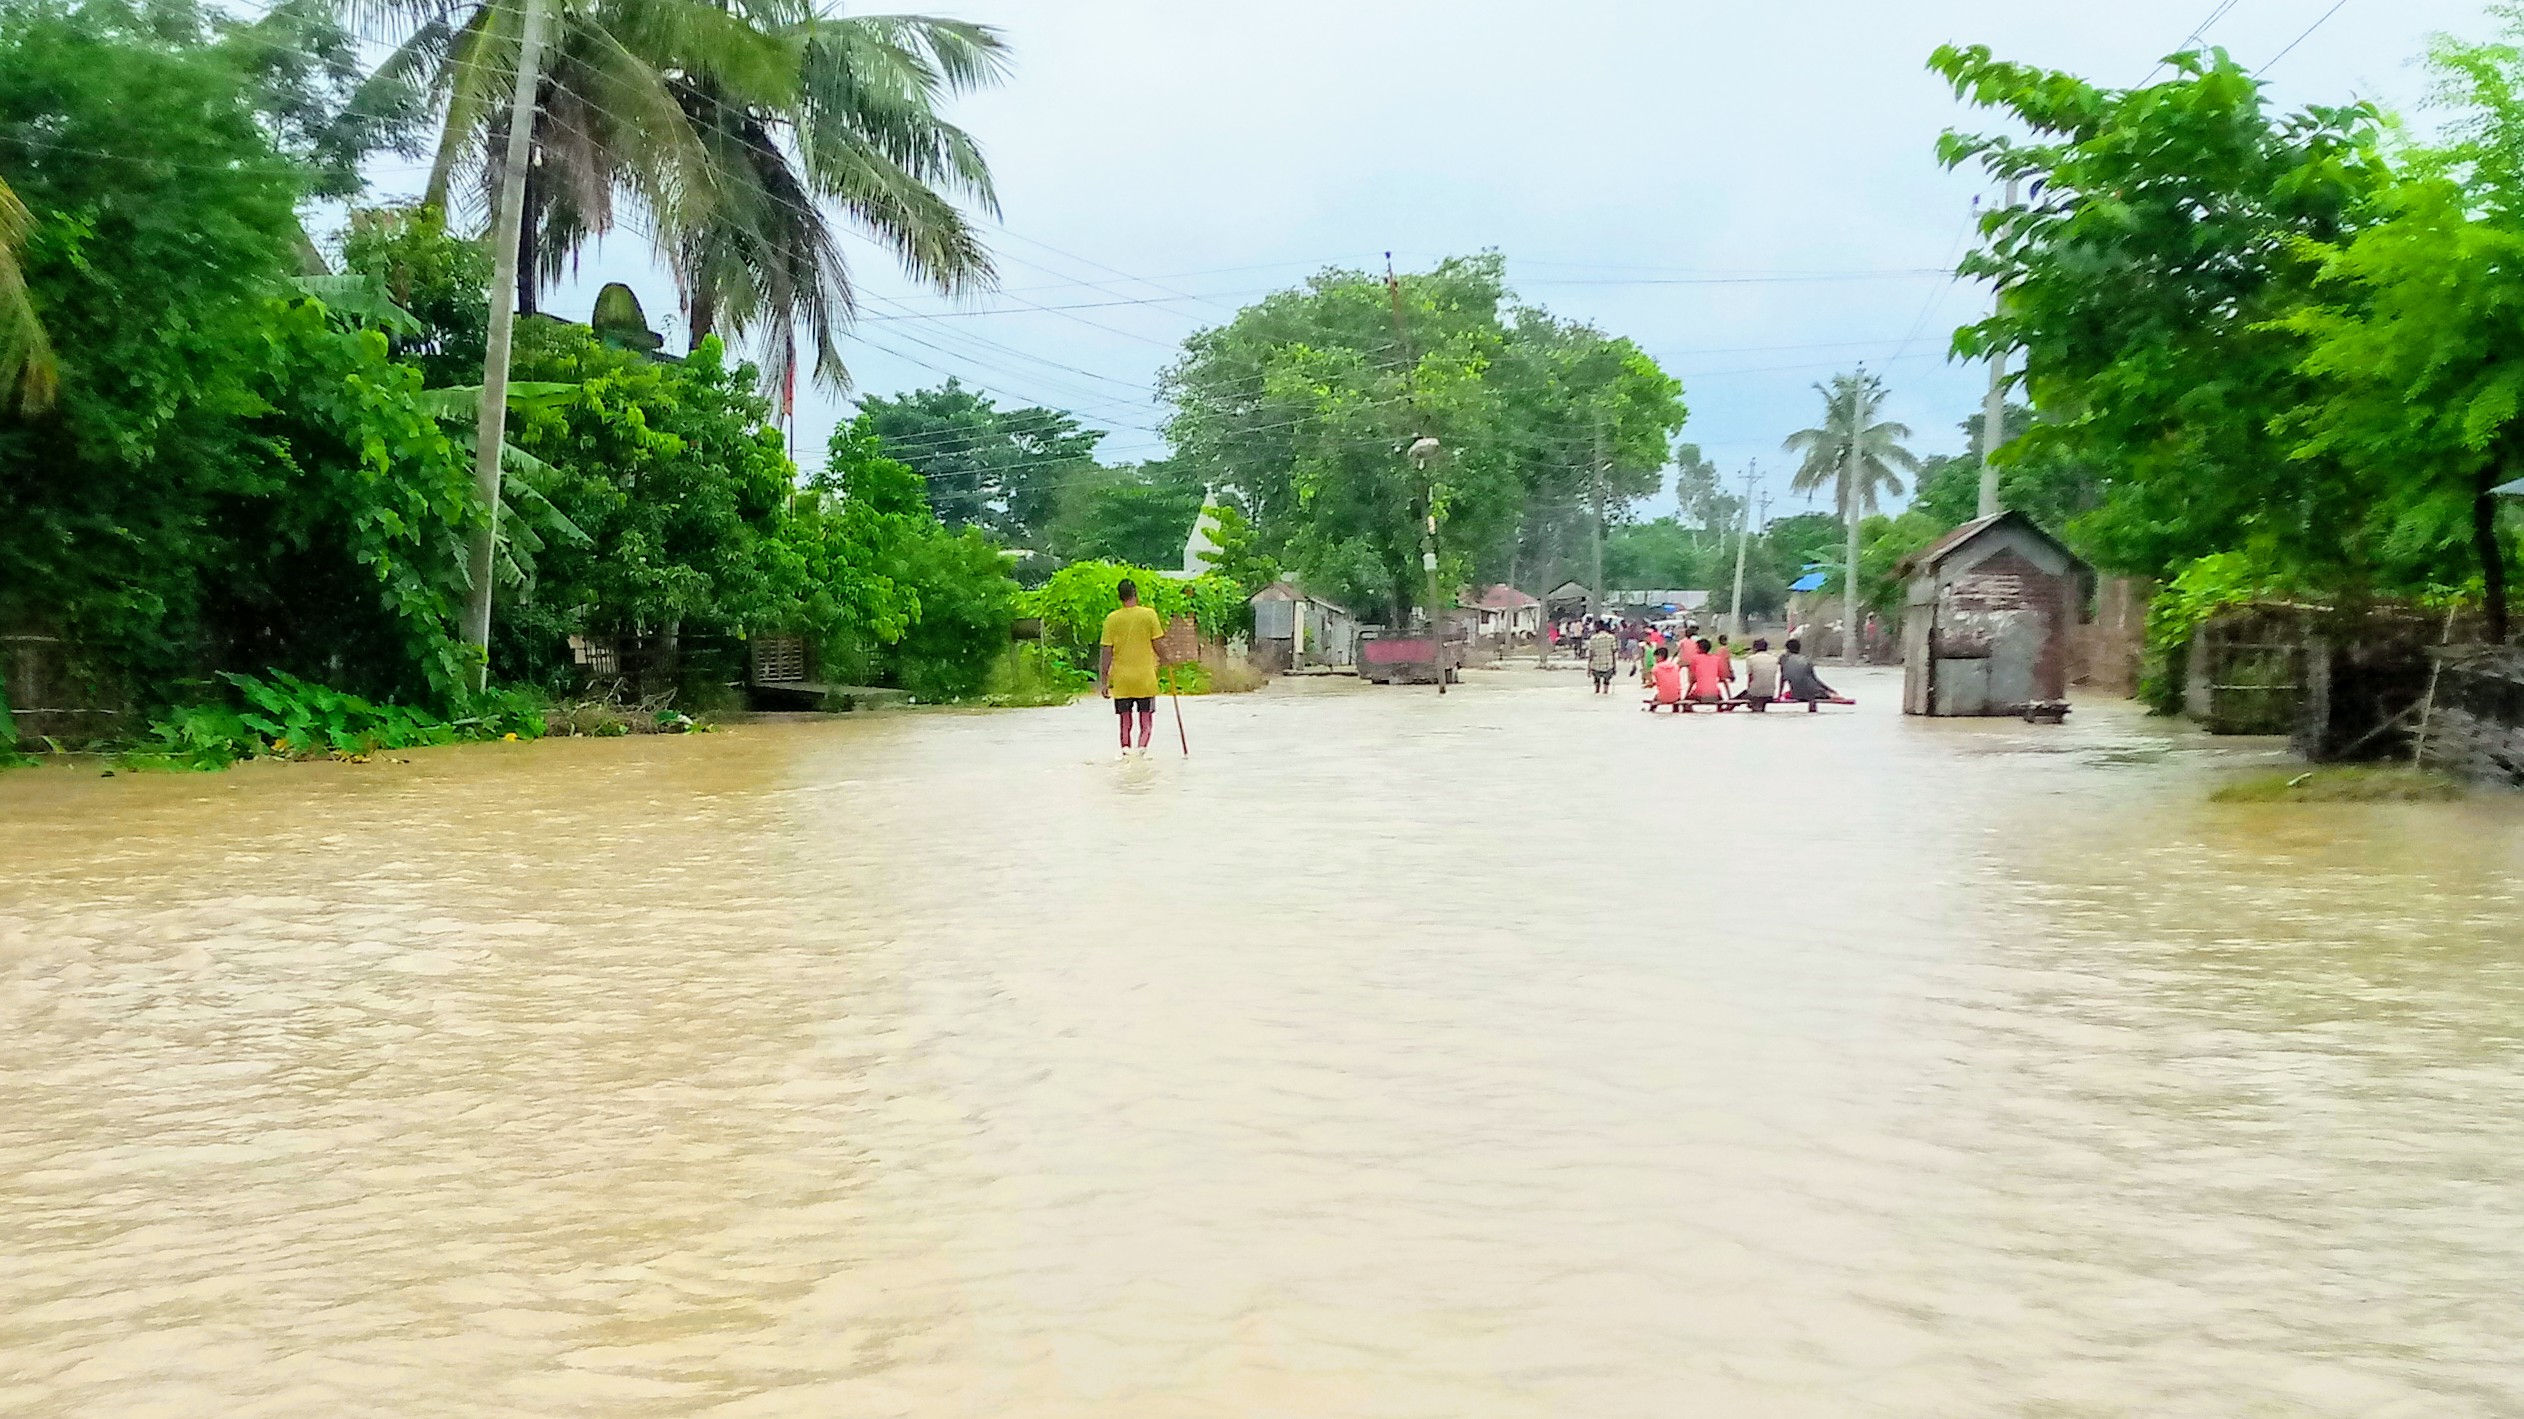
[(2197, 31), (2308, 34)]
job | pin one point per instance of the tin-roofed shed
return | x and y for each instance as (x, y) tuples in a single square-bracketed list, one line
[(1987, 622)]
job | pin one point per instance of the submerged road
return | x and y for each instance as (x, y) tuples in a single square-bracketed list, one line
[(1510, 1054)]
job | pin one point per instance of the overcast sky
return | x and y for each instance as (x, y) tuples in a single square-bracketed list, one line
[(1657, 167)]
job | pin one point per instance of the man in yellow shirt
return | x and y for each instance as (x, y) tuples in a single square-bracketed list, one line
[(1126, 668)]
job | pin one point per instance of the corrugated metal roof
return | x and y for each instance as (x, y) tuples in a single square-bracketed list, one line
[(1944, 546)]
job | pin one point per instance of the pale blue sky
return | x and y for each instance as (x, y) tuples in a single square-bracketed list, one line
[(1652, 167)]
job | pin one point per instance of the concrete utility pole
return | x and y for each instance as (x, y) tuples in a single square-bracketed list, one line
[(1743, 539), (1851, 628), (1595, 594), (491, 429), (1423, 455), (1994, 405)]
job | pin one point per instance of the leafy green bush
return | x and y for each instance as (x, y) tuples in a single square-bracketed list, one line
[(2205, 587), (1074, 603), (286, 717), (1035, 674)]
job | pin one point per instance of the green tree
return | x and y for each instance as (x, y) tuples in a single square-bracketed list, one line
[(2046, 482), (1662, 553), (228, 473), (753, 132), (1859, 456), (1001, 470), (1140, 514), (439, 278), (671, 471), (1301, 408), (2416, 335), (2171, 231), (1701, 494), (1569, 395), (897, 597)]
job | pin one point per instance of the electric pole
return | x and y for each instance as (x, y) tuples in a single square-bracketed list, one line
[(1851, 628), (1994, 405), (491, 429), (1744, 540), (1595, 603)]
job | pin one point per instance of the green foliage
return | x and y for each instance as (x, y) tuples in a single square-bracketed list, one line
[(1851, 405), (1664, 552), (2412, 336), (283, 716), (679, 486), (1003, 470), (1239, 556), (892, 595), (2201, 590), (1035, 674), (1304, 403), (1074, 603), (300, 65), (1884, 543), (232, 473), (437, 277), (1138, 513), (1804, 538), (10, 758), (2146, 281)]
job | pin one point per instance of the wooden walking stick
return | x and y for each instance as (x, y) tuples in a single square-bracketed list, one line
[(1180, 634)]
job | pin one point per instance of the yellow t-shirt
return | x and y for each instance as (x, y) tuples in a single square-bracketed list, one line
[(1133, 632)]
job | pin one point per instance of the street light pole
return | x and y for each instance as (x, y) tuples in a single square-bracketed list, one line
[(1423, 455)]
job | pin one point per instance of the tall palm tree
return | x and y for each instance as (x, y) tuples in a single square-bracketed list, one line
[(1856, 454), (748, 131), (28, 376)]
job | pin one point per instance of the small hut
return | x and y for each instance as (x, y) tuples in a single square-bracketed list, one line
[(1568, 600), (1988, 620), (1293, 630), (1507, 615)]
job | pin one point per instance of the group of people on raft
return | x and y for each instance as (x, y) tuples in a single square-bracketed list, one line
[(1690, 671)]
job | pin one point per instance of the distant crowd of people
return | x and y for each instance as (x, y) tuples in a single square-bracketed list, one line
[(1685, 670)]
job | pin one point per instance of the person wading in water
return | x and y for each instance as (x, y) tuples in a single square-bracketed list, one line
[(1602, 648), (1126, 667)]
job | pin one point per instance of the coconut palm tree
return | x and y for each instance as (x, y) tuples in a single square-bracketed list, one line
[(749, 132), (1857, 455), (28, 376)]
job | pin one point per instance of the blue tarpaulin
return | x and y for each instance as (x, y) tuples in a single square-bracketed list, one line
[(1811, 581)]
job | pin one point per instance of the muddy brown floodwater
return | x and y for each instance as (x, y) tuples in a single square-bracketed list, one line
[(1505, 1054)]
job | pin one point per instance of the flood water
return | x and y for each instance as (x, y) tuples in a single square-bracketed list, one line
[(1506, 1054)]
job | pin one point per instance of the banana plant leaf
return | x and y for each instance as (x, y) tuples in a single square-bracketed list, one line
[(362, 298), (464, 401)]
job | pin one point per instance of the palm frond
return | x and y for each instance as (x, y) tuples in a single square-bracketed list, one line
[(30, 377)]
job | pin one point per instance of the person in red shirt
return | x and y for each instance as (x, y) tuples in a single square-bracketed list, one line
[(1708, 683), (1668, 678)]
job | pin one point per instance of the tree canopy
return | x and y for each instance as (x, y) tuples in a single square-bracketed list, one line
[(1301, 408)]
